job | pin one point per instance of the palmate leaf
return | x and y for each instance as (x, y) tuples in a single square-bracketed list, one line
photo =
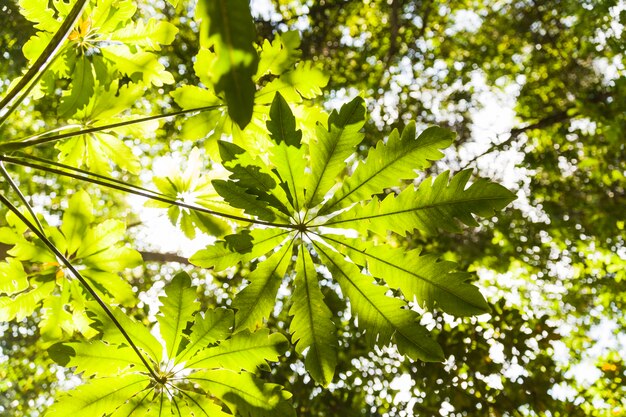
[(434, 205), (105, 31), (206, 371), (305, 81), (97, 249), (98, 150), (321, 216), (193, 186)]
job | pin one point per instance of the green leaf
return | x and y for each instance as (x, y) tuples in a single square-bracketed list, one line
[(222, 255), (384, 318), (139, 333), (282, 124), (244, 394), (82, 88), (55, 319), (37, 11), (290, 165), (207, 329), (76, 220), (98, 396), (425, 277), (179, 304), (140, 66), (333, 147), (192, 404), (145, 402), (389, 163), (25, 303), (13, 278), (305, 81), (434, 205), (252, 175), (279, 55), (228, 25), (256, 301), (96, 151), (193, 97), (102, 248), (240, 198), (99, 358), (312, 325), (113, 285), (150, 35), (244, 351), (179, 385)]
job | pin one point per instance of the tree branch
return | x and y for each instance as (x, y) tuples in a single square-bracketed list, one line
[(148, 256), (164, 257), (514, 133)]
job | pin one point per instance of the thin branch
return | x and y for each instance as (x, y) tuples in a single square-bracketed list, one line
[(17, 190), (42, 63), (427, 9), (514, 133), (149, 256), (83, 171), (80, 278), (150, 195), (21, 144)]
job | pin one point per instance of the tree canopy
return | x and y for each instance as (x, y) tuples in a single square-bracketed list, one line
[(379, 208)]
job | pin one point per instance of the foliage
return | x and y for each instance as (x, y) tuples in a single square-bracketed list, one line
[(33, 278), (284, 191), (322, 230), (201, 362)]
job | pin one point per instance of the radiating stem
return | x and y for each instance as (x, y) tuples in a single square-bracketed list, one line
[(83, 171), (21, 144), (150, 194), (17, 190)]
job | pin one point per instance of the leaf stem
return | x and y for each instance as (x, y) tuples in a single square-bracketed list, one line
[(21, 144), (42, 63), (149, 194), (80, 278), (13, 185), (82, 171)]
